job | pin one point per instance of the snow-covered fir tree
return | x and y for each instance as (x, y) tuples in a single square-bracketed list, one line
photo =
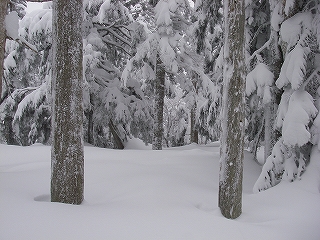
[(25, 69), (110, 108), (207, 32), (297, 24), (158, 56), (106, 101)]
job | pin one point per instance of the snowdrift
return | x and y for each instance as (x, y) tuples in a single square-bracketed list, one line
[(145, 194)]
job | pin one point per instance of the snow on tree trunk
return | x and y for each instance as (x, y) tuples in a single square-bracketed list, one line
[(158, 105), (67, 158), (3, 13), (232, 140)]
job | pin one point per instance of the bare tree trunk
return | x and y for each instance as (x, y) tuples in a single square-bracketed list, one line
[(232, 140), (3, 13), (117, 140), (90, 127), (193, 131), (158, 106), (67, 158)]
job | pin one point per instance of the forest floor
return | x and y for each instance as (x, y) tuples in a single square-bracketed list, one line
[(138, 193)]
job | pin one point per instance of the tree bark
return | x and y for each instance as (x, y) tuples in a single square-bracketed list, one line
[(89, 116), (67, 157), (3, 13), (193, 130), (232, 140), (158, 105), (117, 140)]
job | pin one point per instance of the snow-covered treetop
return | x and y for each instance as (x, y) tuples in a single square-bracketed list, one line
[(36, 23), (260, 79)]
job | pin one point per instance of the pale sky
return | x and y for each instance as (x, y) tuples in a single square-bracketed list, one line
[(33, 6)]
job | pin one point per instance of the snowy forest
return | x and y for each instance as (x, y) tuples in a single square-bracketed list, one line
[(175, 80)]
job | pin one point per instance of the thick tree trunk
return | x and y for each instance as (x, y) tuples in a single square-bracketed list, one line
[(3, 13), (232, 140), (67, 158), (158, 106)]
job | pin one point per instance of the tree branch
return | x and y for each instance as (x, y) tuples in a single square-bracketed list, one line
[(110, 29), (120, 38), (22, 41), (116, 45), (312, 75), (258, 51), (257, 32)]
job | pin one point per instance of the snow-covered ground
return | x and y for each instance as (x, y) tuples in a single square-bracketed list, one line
[(138, 193)]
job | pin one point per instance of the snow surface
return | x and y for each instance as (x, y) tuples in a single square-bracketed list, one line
[(145, 194)]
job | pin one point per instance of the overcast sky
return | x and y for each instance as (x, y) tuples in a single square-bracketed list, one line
[(33, 6)]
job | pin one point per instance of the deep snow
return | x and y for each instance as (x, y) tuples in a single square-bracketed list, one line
[(138, 193)]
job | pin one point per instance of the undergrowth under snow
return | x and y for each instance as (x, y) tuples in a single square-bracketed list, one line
[(138, 193)]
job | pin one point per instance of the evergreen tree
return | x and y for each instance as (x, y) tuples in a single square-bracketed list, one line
[(297, 24), (25, 111), (3, 13), (208, 38), (232, 140), (111, 36), (157, 56), (67, 159)]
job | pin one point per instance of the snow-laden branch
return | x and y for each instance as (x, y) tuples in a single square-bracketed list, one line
[(22, 41), (259, 50), (12, 30)]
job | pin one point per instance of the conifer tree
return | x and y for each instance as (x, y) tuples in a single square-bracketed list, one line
[(3, 12)]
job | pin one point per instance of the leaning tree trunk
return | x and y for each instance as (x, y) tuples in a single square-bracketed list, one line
[(158, 105), (67, 158), (232, 140), (3, 13)]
